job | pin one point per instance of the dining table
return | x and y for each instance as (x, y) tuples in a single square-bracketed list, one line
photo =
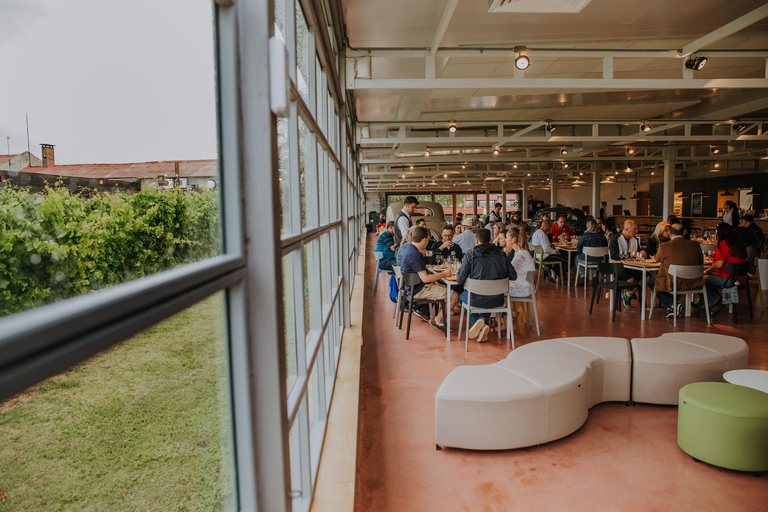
[(647, 266), (569, 247), (448, 282)]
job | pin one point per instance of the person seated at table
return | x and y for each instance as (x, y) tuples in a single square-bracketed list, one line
[(446, 247), (423, 223), (677, 251), (660, 235), (515, 218), (748, 221), (477, 222), (428, 288), (487, 262), (466, 240), (458, 229), (459, 218), (539, 237), (521, 260), (561, 228), (626, 243), (407, 239), (748, 238), (608, 229), (498, 234), (386, 245), (729, 249), (592, 237)]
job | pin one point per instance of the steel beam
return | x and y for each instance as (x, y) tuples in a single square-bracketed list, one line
[(726, 30)]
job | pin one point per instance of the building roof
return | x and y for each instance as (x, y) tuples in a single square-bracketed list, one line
[(141, 170), (4, 158)]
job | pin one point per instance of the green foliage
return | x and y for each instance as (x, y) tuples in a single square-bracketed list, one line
[(55, 245)]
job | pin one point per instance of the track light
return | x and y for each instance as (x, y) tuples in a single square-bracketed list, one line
[(696, 63), (411, 166), (630, 151), (550, 128), (426, 153), (717, 164), (403, 176), (563, 151), (522, 61), (565, 166), (739, 127), (645, 127), (495, 151), (514, 166), (629, 167), (452, 128), (463, 166), (715, 150), (445, 175)]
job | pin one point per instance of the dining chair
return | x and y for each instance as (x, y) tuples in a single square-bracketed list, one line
[(487, 287), (410, 279), (734, 271), (531, 299), (399, 281), (595, 252), (684, 272), (541, 262), (379, 256), (608, 278)]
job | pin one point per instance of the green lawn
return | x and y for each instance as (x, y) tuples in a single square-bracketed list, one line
[(142, 426)]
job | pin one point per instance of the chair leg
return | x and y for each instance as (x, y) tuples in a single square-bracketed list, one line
[(376, 282), (461, 320), (674, 307), (749, 299), (562, 278), (592, 304), (617, 302), (653, 304), (536, 316), (706, 303), (410, 314)]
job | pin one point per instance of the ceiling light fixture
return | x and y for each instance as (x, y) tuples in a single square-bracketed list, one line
[(629, 167), (565, 166), (645, 127), (403, 176), (739, 127), (445, 175), (411, 166), (426, 153), (696, 63), (563, 151), (463, 166), (522, 62), (715, 150), (514, 166), (495, 151), (550, 128), (716, 165), (452, 127), (631, 151)]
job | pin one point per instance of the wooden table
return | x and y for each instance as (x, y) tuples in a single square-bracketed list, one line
[(569, 249), (447, 281), (646, 266)]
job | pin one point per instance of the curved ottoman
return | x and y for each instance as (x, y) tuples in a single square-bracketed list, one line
[(608, 361), (663, 365), (517, 402), (724, 425)]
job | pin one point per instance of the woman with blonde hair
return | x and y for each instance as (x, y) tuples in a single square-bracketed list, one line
[(522, 261), (407, 239), (498, 235), (660, 235)]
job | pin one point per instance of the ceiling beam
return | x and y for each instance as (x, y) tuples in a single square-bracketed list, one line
[(525, 141), (725, 31), (563, 53), (536, 85), (443, 26)]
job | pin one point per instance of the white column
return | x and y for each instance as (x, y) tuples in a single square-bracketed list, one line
[(595, 190), (668, 194), (524, 207), (553, 189), (504, 202)]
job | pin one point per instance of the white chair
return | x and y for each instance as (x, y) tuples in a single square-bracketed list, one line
[(379, 256), (601, 252), (399, 280), (487, 287), (684, 272), (531, 299)]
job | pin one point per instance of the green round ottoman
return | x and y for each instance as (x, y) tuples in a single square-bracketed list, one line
[(724, 425)]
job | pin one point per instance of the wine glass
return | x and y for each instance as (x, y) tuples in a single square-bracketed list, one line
[(633, 255), (439, 259)]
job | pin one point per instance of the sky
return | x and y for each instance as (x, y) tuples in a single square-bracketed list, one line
[(108, 81)]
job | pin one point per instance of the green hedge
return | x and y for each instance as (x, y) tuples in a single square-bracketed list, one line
[(55, 245)]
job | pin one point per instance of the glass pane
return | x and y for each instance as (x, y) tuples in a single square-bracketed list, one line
[(304, 140), (311, 306), (144, 425), (319, 94), (294, 446), (284, 175), (311, 391), (280, 19), (302, 54), (291, 364), (446, 201), (135, 167)]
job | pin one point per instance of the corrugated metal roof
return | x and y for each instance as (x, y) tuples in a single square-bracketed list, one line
[(142, 170), (3, 158)]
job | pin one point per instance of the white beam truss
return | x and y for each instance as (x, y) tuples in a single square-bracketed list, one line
[(726, 30)]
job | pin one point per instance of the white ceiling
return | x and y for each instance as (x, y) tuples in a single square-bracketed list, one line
[(607, 26)]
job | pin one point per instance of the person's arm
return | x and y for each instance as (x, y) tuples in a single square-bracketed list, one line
[(547, 246), (613, 249), (463, 271), (511, 272), (426, 277), (719, 261)]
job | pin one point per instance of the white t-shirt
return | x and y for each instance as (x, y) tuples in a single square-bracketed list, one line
[(539, 237), (523, 263)]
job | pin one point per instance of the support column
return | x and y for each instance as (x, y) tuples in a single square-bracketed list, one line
[(553, 189), (524, 213), (668, 193), (595, 190), (504, 203), (487, 201)]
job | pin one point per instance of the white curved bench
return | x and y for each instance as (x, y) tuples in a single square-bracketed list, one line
[(663, 365), (543, 390)]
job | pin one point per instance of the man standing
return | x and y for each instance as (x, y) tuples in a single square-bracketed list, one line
[(603, 206), (487, 262), (429, 288), (403, 220), (561, 228), (626, 243), (678, 251), (446, 247), (495, 215), (386, 245), (466, 240)]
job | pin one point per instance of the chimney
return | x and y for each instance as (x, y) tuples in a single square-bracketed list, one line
[(48, 158)]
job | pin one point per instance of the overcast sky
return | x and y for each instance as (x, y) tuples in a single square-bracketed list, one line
[(108, 81)]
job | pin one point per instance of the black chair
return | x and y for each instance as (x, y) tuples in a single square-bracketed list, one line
[(410, 279), (736, 270), (608, 278)]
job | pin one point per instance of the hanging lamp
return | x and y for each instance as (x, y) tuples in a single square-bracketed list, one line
[(621, 197)]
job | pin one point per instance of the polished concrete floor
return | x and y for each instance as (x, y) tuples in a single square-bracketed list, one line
[(623, 458)]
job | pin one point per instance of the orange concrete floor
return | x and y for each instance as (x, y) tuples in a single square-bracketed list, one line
[(623, 458)]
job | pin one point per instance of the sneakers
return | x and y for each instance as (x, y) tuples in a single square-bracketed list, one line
[(476, 328), (626, 299), (670, 312), (679, 310), (420, 315), (483, 337), (434, 323)]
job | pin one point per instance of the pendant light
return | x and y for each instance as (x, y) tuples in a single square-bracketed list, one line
[(634, 191), (621, 197)]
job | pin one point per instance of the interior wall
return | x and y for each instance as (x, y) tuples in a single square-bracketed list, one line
[(711, 185)]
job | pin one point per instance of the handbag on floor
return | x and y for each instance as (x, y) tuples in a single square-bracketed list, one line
[(393, 288), (731, 295)]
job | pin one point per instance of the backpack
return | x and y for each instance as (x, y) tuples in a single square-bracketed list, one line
[(393, 288)]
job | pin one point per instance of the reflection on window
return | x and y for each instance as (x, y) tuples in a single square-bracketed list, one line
[(304, 163), (284, 175), (280, 19), (291, 363), (302, 53), (311, 307), (144, 425), (294, 444)]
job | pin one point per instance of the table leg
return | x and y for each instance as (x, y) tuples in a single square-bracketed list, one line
[(569, 268), (448, 311), (642, 297)]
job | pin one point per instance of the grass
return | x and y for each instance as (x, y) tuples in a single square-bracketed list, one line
[(141, 426)]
